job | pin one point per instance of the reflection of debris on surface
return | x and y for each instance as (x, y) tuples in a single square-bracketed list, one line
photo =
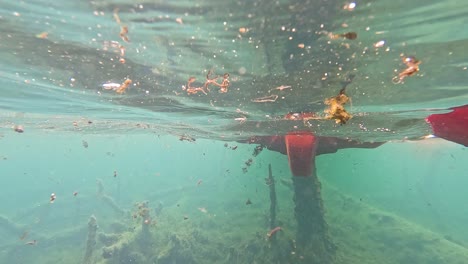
[(336, 108), (412, 67), (223, 86), (347, 35), (265, 99), (187, 138)]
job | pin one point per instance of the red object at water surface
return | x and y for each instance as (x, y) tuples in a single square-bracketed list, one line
[(451, 126), (302, 146), (301, 149)]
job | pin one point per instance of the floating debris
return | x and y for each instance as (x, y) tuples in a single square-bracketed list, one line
[(257, 150), (347, 35), (231, 147), (210, 80), (85, 144), (118, 88), (187, 138), (123, 28), (248, 202), (412, 67), (266, 99), (123, 33), (281, 88), (224, 85), (52, 197), (379, 44), (31, 243), (42, 35), (336, 108), (349, 6), (243, 30), (124, 86), (193, 90), (24, 235), (18, 128), (241, 120), (273, 231)]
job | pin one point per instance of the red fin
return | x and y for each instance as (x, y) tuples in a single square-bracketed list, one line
[(300, 148), (451, 126)]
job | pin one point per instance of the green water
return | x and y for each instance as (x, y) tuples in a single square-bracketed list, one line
[(127, 160), (423, 197)]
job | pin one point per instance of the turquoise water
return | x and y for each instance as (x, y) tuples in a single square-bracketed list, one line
[(158, 154)]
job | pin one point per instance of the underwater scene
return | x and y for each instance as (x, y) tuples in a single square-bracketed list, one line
[(234, 131)]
